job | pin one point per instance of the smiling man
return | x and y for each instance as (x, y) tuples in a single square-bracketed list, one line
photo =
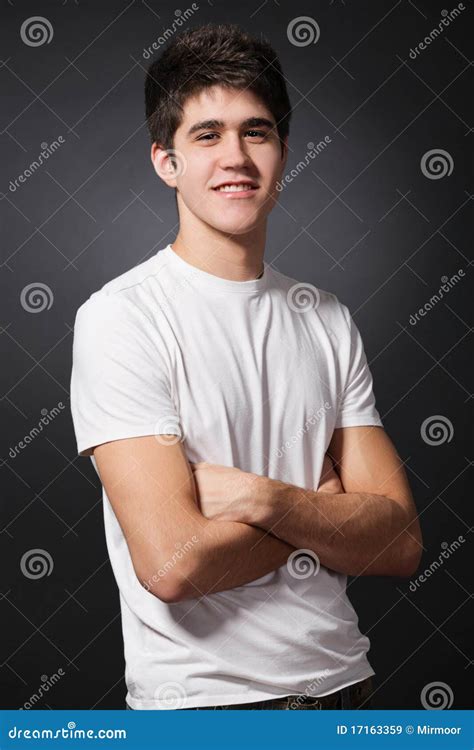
[(229, 412)]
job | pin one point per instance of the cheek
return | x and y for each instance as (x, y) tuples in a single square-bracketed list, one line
[(195, 181)]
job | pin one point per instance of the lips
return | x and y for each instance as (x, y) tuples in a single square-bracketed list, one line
[(244, 184)]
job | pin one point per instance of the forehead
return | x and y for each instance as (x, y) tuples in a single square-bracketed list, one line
[(230, 105)]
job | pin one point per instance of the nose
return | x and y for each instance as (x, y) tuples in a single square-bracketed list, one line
[(233, 153)]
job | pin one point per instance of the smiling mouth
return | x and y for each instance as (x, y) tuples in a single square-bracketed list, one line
[(241, 189)]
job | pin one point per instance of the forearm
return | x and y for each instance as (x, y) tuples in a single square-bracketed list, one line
[(352, 533), (231, 554)]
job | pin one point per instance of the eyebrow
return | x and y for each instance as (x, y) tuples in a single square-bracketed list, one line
[(251, 122)]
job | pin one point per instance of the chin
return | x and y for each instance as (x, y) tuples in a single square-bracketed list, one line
[(236, 224)]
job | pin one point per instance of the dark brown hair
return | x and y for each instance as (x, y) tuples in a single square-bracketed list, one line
[(210, 55)]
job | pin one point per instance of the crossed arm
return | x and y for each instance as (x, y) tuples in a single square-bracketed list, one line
[(360, 521)]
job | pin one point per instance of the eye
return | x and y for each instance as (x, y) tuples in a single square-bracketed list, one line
[(255, 134)]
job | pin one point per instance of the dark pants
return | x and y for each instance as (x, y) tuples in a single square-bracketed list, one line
[(354, 696)]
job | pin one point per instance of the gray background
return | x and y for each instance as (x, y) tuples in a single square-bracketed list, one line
[(362, 220)]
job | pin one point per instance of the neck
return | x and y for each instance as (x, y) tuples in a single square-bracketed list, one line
[(229, 256)]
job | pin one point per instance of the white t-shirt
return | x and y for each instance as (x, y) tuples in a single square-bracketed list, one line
[(247, 379)]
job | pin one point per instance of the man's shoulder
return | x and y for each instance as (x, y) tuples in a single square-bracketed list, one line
[(304, 295), (129, 293)]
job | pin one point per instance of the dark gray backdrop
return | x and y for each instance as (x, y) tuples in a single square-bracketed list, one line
[(374, 217)]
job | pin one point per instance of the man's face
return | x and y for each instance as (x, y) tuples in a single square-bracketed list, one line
[(240, 146)]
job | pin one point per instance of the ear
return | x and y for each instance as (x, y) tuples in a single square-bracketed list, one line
[(163, 165)]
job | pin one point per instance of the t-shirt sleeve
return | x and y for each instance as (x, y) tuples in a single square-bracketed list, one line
[(120, 382), (357, 400)]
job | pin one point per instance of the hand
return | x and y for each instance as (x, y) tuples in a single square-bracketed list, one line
[(224, 492), (329, 481)]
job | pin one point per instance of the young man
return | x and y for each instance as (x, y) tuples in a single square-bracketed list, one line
[(208, 388)]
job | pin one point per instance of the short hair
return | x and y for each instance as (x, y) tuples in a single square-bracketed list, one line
[(210, 55)]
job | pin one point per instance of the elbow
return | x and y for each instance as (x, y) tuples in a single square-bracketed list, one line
[(410, 558), (167, 591), (166, 584)]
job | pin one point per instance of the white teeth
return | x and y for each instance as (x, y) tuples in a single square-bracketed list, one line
[(235, 188)]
